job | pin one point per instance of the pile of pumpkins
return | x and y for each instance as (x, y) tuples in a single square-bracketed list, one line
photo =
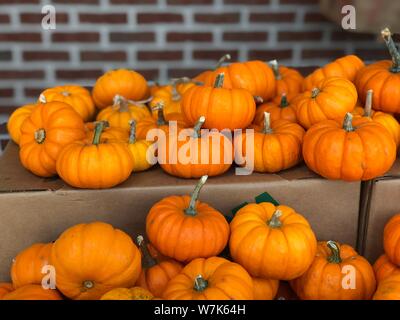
[(326, 118), (195, 254)]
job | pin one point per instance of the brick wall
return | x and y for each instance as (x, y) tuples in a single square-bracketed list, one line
[(160, 38)]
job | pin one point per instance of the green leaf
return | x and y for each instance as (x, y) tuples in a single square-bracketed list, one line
[(266, 197)]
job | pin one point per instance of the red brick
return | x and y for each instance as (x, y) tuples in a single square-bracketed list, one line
[(20, 37), (187, 2), (233, 17), (149, 55), (144, 18), (75, 37), (136, 2), (248, 2), (21, 74), (299, 2), (149, 74), (315, 17), (6, 93), (132, 37), (183, 72), (352, 36), (33, 92), (36, 18), (71, 74), (7, 110), (4, 18), (267, 55), (373, 54), (90, 2), (45, 55), (299, 35), (5, 55), (245, 36), (189, 36), (214, 54), (322, 53), (268, 17), (19, 2), (103, 56), (106, 18)]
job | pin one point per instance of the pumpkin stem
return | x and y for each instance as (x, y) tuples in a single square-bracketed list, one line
[(40, 135), (200, 284), (197, 127), (315, 92), (274, 222), (284, 101), (275, 68), (98, 129), (258, 99), (335, 256), (394, 53), (348, 122), (219, 80), (222, 60), (88, 284), (42, 99), (148, 261), (160, 114), (191, 210), (368, 104), (120, 102), (132, 132), (267, 123)]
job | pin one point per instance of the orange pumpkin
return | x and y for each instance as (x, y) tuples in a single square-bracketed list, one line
[(346, 67), (223, 108), (179, 226), (288, 81), (276, 147), (272, 242), (202, 77), (391, 239), (383, 77), (325, 278), (135, 293), (49, 128), (122, 111), (109, 133), (126, 83), (91, 259), (332, 98), (33, 292), (383, 268), (5, 288), (27, 266), (339, 150), (265, 289), (214, 278), (198, 153), (155, 274), (16, 119), (77, 97), (95, 165), (282, 110), (388, 288)]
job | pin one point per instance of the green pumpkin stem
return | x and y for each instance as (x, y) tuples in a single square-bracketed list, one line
[(98, 130), (284, 101), (176, 96), (200, 284), (275, 68), (132, 132), (368, 104), (197, 127), (335, 252), (348, 122), (394, 53), (275, 222), (219, 80), (160, 114), (315, 92), (222, 60), (147, 260), (191, 210), (267, 123)]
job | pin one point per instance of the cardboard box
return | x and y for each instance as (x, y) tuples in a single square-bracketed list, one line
[(38, 210)]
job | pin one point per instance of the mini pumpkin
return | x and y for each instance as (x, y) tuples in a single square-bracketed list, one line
[(76, 96), (332, 98), (5, 288), (16, 119), (126, 83), (288, 80), (91, 259), (325, 279), (273, 242), (265, 289), (95, 165), (202, 77), (383, 268), (345, 67), (49, 128), (214, 278), (178, 226), (276, 147), (27, 265), (391, 239), (223, 108), (388, 288), (33, 292), (135, 293), (278, 110), (339, 150), (155, 273), (108, 133)]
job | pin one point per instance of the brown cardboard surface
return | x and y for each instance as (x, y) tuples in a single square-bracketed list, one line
[(38, 210)]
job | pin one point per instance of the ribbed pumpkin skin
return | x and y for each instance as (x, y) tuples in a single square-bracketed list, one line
[(363, 154), (135, 293), (226, 281), (265, 289), (62, 126), (290, 82), (346, 67), (388, 288), (16, 119), (27, 265), (323, 280), (127, 83), (5, 288), (138, 151), (277, 112), (81, 253), (254, 76), (336, 97), (391, 239), (77, 97), (282, 253), (181, 236), (33, 292), (223, 108), (383, 268)]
